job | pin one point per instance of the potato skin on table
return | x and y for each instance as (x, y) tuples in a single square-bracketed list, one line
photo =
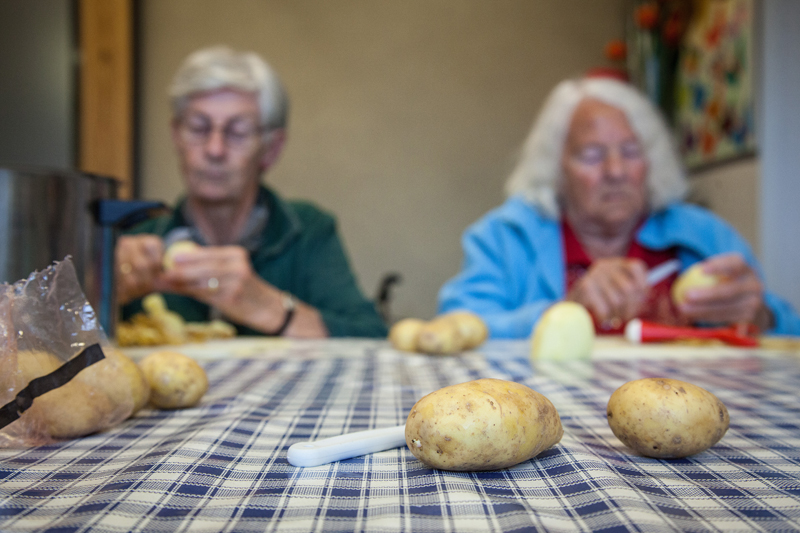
[(486, 424), (666, 418)]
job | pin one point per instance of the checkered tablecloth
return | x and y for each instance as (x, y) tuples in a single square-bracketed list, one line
[(222, 466)]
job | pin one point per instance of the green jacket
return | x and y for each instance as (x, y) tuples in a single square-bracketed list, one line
[(300, 252)]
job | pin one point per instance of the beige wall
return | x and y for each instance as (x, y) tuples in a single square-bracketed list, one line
[(732, 191), (406, 114)]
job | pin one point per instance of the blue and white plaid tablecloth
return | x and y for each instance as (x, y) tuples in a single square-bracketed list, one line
[(222, 466)]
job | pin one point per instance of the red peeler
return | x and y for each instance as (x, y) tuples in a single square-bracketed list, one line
[(640, 331)]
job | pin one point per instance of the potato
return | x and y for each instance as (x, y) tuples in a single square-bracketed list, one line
[(33, 364), (485, 424), (564, 332), (177, 247), (403, 334), (176, 380), (120, 378), (472, 329), (452, 333), (666, 418), (439, 336), (75, 409), (692, 278)]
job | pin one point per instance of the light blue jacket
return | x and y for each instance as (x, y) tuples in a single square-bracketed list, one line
[(513, 265)]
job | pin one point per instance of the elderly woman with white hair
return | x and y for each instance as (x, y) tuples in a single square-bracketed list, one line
[(268, 265), (594, 203)]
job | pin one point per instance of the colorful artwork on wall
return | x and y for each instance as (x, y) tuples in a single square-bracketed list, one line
[(714, 104), (694, 59)]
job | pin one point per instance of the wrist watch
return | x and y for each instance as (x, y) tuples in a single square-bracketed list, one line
[(288, 306)]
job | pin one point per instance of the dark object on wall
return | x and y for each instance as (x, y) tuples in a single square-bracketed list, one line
[(383, 298), (46, 215), (38, 56)]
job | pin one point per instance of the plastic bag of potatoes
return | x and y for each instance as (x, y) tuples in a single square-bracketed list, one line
[(59, 376)]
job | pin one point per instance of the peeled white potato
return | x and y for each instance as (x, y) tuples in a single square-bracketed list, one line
[(177, 247), (564, 332), (692, 278)]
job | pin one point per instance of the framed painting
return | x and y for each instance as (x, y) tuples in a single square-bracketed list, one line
[(694, 58)]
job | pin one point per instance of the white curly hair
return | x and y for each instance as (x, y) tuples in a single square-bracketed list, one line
[(538, 173), (221, 67)]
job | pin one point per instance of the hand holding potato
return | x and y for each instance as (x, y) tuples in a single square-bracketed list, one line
[(223, 278), (722, 290), (138, 260), (613, 290)]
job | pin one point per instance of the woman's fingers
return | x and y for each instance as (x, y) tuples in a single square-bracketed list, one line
[(737, 297), (216, 275), (613, 290), (138, 264)]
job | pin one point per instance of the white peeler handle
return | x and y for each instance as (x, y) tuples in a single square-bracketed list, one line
[(320, 452)]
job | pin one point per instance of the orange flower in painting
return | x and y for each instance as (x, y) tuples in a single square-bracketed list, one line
[(714, 34), (616, 50), (673, 30), (708, 143), (713, 109), (646, 15)]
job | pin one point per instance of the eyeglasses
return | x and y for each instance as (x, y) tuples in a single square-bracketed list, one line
[(238, 133), (594, 154)]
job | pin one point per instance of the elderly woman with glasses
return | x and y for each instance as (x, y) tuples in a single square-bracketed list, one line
[(595, 203), (267, 265)]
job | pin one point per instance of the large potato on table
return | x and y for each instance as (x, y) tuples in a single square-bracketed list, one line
[(564, 332), (485, 424), (692, 278), (176, 380), (666, 418)]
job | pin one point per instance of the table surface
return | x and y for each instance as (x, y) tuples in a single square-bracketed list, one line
[(222, 465)]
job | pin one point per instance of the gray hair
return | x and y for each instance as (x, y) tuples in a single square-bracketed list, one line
[(538, 172), (220, 67)]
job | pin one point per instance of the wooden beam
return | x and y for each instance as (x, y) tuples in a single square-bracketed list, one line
[(106, 90)]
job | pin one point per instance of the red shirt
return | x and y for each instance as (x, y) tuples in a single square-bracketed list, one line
[(657, 308)]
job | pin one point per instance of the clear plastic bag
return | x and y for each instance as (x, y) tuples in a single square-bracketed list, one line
[(59, 375)]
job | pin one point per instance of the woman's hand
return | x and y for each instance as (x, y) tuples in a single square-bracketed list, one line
[(222, 277), (137, 266), (739, 297), (613, 290)]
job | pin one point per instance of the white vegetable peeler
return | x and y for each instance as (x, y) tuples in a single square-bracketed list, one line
[(323, 451)]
